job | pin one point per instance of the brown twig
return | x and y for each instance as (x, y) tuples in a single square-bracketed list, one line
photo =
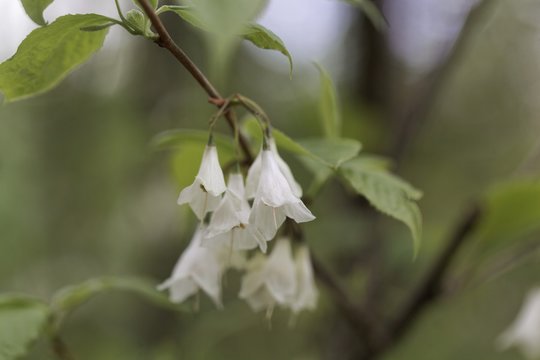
[(165, 41), (60, 349), (430, 287)]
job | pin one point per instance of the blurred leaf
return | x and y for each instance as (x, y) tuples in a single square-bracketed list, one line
[(49, 53), (330, 115), (34, 9), (175, 138), (188, 146), (512, 210), (372, 13), (257, 34), (387, 193), (263, 38), (69, 298), (329, 152), (22, 320)]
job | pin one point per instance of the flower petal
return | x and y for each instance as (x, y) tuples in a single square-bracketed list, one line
[(281, 272), (253, 176), (286, 171), (266, 219), (210, 174), (298, 212)]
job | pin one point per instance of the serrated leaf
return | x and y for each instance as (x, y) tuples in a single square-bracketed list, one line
[(34, 9), (511, 210), (387, 193), (372, 13), (69, 298), (49, 53), (22, 320), (263, 38), (328, 106)]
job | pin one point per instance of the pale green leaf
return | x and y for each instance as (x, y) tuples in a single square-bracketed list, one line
[(34, 9), (387, 193), (69, 298), (49, 53), (372, 13), (330, 115), (263, 38), (22, 320)]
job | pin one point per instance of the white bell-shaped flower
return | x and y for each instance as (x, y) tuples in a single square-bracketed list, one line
[(205, 192), (306, 293), (197, 268), (254, 173), (230, 220), (274, 199), (270, 280), (524, 333)]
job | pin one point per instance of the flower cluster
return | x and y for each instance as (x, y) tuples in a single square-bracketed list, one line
[(230, 227)]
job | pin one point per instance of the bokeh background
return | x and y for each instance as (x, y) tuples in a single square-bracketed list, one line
[(84, 194)]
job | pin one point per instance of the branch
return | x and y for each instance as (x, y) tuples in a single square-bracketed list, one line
[(414, 115), (60, 349), (430, 287), (165, 41), (359, 320)]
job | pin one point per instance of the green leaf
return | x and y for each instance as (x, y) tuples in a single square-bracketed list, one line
[(372, 13), (512, 210), (22, 320), (49, 53), (263, 38), (34, 9), (69, 298), (387, 193), (257, 34), (330, 115)]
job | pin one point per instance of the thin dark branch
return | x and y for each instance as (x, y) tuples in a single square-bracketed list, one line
[(60, 349), (165, 41), (414, 115), (360, 321), (430, 287)]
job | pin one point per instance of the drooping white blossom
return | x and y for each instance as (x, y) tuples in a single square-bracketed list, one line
[(204, 194), (198, 268), (254, 173), (271, 280), (275, 200), (306, 293), (524, 333), (230, 221)]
